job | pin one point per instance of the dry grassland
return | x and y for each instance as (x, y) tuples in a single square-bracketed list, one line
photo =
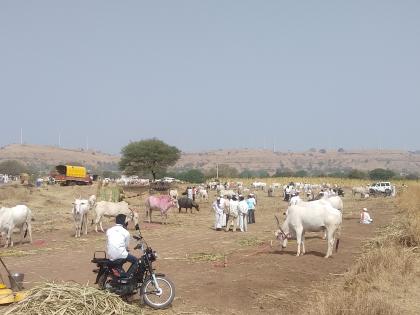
[(239, 273), (386, 278)]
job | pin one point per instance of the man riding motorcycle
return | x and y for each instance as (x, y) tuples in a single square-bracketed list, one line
[(118, 239)]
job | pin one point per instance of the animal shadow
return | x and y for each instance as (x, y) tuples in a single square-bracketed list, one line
[(293, 253)]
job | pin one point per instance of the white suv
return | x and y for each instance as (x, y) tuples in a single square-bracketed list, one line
[(381, 188)]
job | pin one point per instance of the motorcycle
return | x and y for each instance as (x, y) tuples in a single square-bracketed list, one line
[(155, 289)]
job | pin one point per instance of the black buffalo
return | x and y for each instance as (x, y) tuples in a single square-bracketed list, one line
[(187, 203)]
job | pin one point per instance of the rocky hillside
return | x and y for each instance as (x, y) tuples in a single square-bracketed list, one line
[(325, 161), (46, 156), (252, 159)]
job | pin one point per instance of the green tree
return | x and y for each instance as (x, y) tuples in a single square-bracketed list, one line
[(356, 174), (110, 174), (301, 173), (246, 173), (12, 167), (262, 174), (381, 174), (192, 176), (148, 156), (283, 172)]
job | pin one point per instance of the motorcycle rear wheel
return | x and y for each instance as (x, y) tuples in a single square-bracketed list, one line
[(102, 281), (152, 298)]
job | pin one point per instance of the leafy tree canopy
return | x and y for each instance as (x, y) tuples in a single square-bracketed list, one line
[(12, 167), (148, 156), (381, 174)]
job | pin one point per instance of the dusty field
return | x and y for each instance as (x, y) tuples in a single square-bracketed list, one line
[(256, 278)]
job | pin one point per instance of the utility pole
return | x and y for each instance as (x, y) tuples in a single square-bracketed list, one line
[(217, 170), (59, 139), (21, 135), (87, 143)]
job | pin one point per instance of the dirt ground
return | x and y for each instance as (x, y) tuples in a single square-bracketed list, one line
[(215, 272)]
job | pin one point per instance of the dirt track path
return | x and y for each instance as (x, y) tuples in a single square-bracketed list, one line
[(257, 278)]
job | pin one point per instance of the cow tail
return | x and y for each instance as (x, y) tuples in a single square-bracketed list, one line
[(26, 231), (338, 238)]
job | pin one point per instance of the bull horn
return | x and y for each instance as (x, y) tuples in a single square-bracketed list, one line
[(283, 232), (278, 222)]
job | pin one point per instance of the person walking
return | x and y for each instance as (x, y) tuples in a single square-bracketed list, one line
[(243, 214), (233, 214), (218, 211)]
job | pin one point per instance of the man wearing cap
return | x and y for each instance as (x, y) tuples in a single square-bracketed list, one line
[(365, 217), (118, 239)]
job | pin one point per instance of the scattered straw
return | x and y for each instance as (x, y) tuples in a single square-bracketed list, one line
[(206, 257), (70, 298)]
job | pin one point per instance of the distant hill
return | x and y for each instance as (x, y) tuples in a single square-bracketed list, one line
[(252, 159), (46, 156), (320, 160)]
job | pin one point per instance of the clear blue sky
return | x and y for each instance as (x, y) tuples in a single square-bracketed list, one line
[(211, 74)]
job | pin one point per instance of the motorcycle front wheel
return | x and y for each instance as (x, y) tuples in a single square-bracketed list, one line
[(158, 299)]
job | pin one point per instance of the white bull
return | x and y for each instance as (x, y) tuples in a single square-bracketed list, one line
[(301, 219), (228, 193), (202, 193), (363, 191), (80, 211), (173, 193), (15, 217), (112, 209)]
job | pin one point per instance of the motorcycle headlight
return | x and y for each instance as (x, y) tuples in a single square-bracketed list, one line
[(155, 254)]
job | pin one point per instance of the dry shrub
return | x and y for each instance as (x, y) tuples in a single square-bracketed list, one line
[(384, 266), (12, 195), (345, 303)]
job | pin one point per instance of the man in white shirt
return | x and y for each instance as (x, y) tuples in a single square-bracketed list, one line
[(118, 239), (243, 214), (218, 211), (365, 217)]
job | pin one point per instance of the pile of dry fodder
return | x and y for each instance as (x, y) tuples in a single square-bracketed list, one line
[(70, 298)]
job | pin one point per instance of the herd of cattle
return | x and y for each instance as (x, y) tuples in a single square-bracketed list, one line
[(324, 214)]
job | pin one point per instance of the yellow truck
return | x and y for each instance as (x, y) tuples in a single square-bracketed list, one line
[(71, 175)]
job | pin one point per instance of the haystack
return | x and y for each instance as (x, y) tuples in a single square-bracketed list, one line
[(71, 298)]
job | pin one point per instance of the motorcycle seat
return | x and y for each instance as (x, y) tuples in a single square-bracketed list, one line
[(105, 261)]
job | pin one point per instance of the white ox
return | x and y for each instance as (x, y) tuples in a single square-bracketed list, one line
[(363, 191), (202, 193), (15, 217), (335, 201), (80, 211), (112, 209), (92, 201), (259, 185), (228, 193), (173, 193), (301, 219)]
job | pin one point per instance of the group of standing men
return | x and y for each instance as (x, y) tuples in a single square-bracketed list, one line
[(235, 210)]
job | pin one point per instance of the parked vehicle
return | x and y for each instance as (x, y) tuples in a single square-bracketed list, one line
[(155, 289), (381, 188), (71, 175)]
